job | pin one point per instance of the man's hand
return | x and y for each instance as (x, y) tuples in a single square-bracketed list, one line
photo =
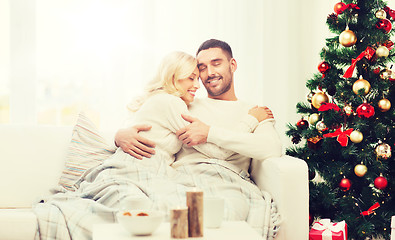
[(131, 142), (195, 133), (261, 113)]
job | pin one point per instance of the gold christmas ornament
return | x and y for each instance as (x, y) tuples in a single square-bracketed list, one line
[(356, 136), (360, 170), (313, 118), (382, 51), (347, 38), (384, 105), (381, 14), (318, 99), (385, 74), (361, 84), (383, 150)]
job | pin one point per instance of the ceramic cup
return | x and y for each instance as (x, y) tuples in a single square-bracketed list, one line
[(134, 203)]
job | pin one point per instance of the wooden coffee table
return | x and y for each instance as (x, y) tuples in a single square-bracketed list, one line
[(228, 231)]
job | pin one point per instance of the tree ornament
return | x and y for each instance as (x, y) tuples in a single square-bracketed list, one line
[(384, 105), (361, 84), (302, 124), (309, 96), (296, 139), (338, 8), (348, 109), (347, 38), (314, 118), (385, 25), (377, 70), (321, 126), (360, 170), (314, 142), (341, 136), (345, 184), (381, 14), (356, 136), (386, 74), (383, 150), (318, 99), (365, 110), (380, 182), (382, 51), (331, 89), (323, 67)]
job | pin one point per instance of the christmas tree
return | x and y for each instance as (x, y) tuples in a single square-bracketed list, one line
[(346, 131)]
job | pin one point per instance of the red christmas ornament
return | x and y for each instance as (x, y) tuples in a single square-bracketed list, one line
[(365, 110), (384, 24), (339, 7), (377, 70), (302, 124), (380, 182), (323, 67), (345, 184)]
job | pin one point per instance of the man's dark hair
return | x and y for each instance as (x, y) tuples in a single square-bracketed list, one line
[(214, 43)]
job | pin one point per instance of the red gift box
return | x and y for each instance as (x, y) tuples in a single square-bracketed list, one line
[(326, 230)]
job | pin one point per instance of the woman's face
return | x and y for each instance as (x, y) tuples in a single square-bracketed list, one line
[(190, 85)]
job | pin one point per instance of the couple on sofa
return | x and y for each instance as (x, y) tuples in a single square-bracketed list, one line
[(232, 131)]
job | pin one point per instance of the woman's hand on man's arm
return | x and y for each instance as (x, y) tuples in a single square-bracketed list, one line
[(132, 143)]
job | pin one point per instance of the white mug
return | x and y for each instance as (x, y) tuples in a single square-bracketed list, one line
[(136, 203), (213, 212)]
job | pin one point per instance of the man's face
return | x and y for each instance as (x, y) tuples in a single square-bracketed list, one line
[(216, 71)]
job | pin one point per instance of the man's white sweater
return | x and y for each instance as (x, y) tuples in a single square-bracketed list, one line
[(232, 128)]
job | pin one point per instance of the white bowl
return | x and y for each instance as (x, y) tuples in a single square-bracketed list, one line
[(140, 225)]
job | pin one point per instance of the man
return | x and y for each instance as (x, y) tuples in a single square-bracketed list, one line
[(216, 117)]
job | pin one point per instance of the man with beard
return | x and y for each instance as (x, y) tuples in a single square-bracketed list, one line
[(214, 119)]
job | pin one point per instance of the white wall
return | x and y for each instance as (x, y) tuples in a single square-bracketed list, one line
[(102, 52)]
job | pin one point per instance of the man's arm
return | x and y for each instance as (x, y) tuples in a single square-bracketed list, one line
[(264, 142)]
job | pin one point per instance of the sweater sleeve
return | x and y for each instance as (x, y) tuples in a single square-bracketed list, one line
[(174, 109), (263, 143)]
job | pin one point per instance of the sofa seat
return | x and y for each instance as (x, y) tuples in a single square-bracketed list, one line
[(16, 224)]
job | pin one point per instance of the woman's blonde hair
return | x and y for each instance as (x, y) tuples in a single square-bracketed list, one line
[(174, 67)]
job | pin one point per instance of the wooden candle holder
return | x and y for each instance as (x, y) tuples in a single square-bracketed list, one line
[(195, 213), (179, 222)]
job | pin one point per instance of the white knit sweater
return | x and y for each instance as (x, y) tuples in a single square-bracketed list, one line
[(234, 129)]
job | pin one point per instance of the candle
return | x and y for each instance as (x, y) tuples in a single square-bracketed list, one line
[(195, 213), (179, 222)]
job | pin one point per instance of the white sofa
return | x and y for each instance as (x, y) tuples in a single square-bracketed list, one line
[(32, 159)]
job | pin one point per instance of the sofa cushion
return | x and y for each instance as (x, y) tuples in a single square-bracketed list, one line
[(87, 149)]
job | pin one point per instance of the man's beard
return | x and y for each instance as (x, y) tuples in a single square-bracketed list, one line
[(221, 91)]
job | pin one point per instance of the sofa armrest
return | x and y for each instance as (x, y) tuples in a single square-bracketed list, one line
[(286, 179)]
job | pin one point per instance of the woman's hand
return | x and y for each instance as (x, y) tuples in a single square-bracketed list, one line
[(261, 113), (131, 142)]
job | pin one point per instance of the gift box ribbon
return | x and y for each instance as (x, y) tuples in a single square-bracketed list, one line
[(327, 227)]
